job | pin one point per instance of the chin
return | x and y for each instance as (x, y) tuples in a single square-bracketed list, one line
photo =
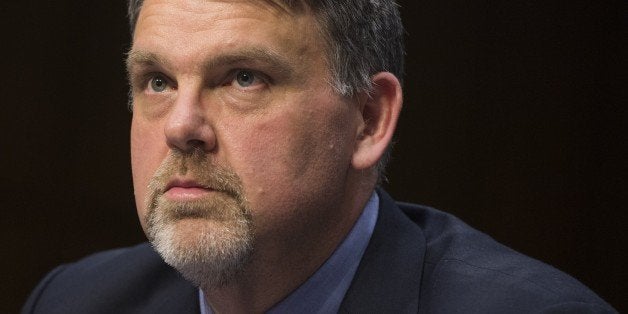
[(207, 253), (209, 242)]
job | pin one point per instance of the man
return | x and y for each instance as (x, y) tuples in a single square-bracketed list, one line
[(259, 131)]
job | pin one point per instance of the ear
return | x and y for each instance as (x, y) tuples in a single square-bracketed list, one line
[(380, 112)]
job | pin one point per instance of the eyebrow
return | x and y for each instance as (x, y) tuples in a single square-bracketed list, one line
[(142, 58), (276, 62)]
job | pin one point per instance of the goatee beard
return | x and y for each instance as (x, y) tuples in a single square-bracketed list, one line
[(208, 240)]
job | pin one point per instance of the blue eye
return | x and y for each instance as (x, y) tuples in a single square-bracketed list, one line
[(245, 78), (158, 84)]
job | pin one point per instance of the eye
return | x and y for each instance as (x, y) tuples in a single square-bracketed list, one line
[(245, 78), (158, 84)]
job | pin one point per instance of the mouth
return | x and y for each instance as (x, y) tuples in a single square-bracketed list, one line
[(186, 190)]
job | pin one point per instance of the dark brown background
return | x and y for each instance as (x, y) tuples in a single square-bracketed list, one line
[(515, 120)]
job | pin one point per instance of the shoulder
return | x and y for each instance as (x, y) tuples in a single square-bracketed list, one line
[(112, 281), (466, 269)]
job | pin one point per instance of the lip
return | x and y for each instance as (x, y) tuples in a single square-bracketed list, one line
[(185, 190)]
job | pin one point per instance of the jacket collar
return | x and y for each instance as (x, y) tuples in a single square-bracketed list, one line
[(389, 276)]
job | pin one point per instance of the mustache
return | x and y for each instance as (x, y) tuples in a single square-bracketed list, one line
[(199, 167)]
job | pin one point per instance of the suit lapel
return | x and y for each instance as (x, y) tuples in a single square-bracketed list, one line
[(389, 276), (180, 297), (167, 291)]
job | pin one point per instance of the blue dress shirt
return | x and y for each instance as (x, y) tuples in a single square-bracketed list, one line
[(325, 290)]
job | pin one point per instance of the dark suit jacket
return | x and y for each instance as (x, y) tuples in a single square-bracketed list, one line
[(418, 260)]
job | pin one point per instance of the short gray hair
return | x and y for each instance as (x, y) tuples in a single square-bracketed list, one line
[(364, 37)]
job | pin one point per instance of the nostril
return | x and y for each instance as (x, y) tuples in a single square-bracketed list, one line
[(195, 143)]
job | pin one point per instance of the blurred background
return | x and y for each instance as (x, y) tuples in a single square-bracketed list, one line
[(515, 120)]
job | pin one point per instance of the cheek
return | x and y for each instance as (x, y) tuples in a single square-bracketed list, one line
[(258, 150), (288, 156), (147, 144)]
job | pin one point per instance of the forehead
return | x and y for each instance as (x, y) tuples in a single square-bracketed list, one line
[(283, 8), (191, 36), (210, 19), (187, 31)]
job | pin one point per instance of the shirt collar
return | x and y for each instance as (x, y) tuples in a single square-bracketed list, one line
[(325, 290)]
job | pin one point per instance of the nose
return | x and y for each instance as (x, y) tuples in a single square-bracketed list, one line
[(187, 126)]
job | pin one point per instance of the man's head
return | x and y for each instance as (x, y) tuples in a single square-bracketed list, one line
[(256, 132), (363, 37)]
